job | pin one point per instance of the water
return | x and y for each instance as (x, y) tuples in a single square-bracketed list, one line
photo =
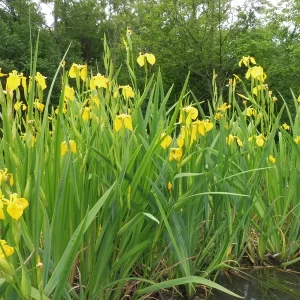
[(260, 284)]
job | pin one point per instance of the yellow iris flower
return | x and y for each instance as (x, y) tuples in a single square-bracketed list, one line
[(4, 176), (8, 250), (99, 81), (260, 140), (78, 70), (13, 81), (127, 91), (256, 73), (64, 147), (121, 121), (41, 80), (297, 139), (285, 126), (190, 113), (86, 114), (166, 141), (223, 107), (15, 205), (19, 105), (246, 61), (175, 154), (272, 159), (150, 58), (38, 105), (69, 93)]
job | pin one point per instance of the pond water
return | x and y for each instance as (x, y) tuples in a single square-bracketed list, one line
[(260, 284)]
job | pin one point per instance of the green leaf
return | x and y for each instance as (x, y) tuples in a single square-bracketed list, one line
[(185, 280)]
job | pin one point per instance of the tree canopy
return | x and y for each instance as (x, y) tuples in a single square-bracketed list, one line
[(196, 36)]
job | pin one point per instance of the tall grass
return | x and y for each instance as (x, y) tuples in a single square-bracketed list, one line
[(116, 217)]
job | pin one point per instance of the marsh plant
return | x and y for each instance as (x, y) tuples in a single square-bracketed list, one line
[(122, 190)]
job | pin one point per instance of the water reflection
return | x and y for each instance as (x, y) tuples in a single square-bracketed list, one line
[(260, 284)]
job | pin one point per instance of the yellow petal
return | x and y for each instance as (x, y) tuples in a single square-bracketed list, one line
[(128, 123), (63, 148), (208, 126), (15, 211), (141, 60), (86, 115), (2, 216), (239, 142), (259, 141), (73, 71), (41, 80), (83, 73), (73, 146), (117, 124), (201, 128), (166, 141), (13, 81), (150, 58), (180, 141)]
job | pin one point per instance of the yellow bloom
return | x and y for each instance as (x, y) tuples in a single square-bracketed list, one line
[(285, 126), (298, 99), (188, 131), (69, 93), (127, 91), (4, 176), (166, 141), (84, 73), (218, 116), (40, 79), (170, 186), (121, 121), (271, 159), (95, 100), (13, 81), (150, 58), (15, 206), (24, 84), (190, 113), (297, 139), (246, 61), (223, 107), (8, 250), (256, 73), (64, 147), (64, 109), (73, 70), (260, 140), (20, 105), (128, 32), (250, 111), (2, 215), (180, 141), (239, 141), (86, 114), (78, 70), (175, 154), (230, 139), (99, 81), (204, 126), (38, 105)]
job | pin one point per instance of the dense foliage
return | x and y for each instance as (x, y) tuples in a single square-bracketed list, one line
[(197, 36), (115, 183)]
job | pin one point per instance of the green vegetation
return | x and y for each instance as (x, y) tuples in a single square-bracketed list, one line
[(115, 186)]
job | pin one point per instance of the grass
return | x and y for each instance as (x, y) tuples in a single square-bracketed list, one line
[(124, 214)]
